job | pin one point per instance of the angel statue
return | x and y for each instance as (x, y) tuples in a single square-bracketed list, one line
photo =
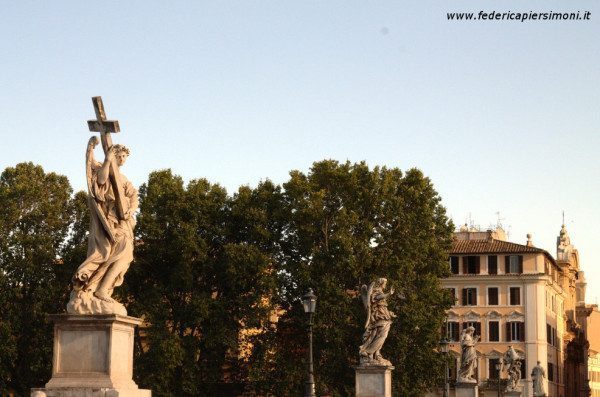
[(379, 320), (511, 362), (110, 241)]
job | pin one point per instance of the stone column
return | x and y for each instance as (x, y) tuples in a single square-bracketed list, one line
[(374, 380), (466, 389), (93, 357)]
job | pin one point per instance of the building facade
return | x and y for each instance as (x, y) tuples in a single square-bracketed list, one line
[(521, 296)]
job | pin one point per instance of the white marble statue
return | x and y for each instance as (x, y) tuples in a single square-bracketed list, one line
[(537, 376), (379, 320), (468, 357), (110, 241), (511, 361)]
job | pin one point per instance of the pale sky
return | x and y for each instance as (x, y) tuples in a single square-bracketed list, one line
[(503, 116)]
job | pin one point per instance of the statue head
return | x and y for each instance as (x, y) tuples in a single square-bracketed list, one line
[(382, 282), (121, 153)]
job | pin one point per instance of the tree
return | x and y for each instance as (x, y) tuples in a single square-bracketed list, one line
[(345, 225), (36, 215), (201, 280)]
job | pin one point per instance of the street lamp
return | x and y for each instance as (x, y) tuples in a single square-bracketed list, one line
[(444, 347), (498, 366), (309, 301)]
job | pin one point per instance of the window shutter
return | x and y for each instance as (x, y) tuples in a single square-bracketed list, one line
[(465, 265), (464, 297), (522, 332), (474, 297), (523, 369), (455, 332), (520, 264), (477, 266), (478, 329), (508, 338), (507, 264)]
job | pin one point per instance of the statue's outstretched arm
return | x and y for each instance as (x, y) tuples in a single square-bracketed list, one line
[(104, 171)]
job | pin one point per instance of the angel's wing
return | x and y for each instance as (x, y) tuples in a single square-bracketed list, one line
[(89, 163), (365, 294)]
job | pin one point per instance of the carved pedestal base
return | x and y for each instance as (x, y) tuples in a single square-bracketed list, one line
[(93, 357), (464, 389), (374, 381)]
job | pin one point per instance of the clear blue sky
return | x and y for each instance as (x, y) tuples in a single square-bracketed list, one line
[(503, 116)]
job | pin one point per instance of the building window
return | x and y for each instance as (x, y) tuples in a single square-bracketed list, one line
[(469, 296), (493, 331), (470, 265), (452, 292), (549, 334), (492, 296), (492, 264), (492, 371), (454, 264), (452, 331), (551, 372), (513, 264), (474, 324), (515, 296), (515, 331), (523, 369)]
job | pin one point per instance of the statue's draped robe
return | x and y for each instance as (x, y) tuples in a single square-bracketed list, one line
[(379, 324), (102, 252), (468, 358)]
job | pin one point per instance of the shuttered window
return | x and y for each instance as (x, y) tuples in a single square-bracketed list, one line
[(452, 331), (454, 264), (493, 296), (513, 264), (492, 371), (469, 296), (515, 296), (493, 331), (471, 265), (492, 264), (515, 331)]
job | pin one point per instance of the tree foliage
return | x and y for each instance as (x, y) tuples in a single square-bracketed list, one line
[(202, 280), (211, 270), (344, 226), (36, 219)]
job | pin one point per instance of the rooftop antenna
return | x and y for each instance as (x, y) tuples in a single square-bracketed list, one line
[(563, 217), (508, 233), (499, 220)]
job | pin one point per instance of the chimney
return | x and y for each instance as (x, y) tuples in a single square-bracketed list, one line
[(529, 242)]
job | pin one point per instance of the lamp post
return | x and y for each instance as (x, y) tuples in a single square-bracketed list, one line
[(498, 366), (444, 347), (309, 301)]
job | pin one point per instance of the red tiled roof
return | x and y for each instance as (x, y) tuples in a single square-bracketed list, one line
[(492, 247)]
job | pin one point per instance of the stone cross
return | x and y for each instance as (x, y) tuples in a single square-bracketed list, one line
[(105, 128)]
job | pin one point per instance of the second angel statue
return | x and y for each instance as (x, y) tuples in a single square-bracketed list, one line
[(379, 320)]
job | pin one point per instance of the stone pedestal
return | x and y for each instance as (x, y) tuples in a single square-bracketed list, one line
[(512, 393), (374, 381), (93, 357), (464, 389)]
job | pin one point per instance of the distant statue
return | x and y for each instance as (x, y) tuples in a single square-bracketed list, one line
[(110, 241), (468, 357), (537, 376), (511, 361), (379, 320)]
